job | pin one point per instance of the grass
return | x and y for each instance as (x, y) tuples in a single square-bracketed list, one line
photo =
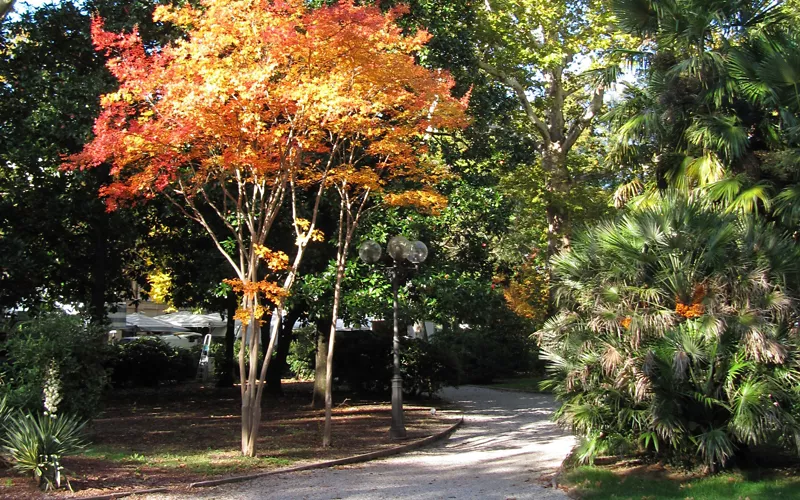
[(208, 462), (596, 483)]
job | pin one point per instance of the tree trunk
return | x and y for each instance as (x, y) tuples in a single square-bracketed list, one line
[(226, 372), (321, 365), (554, 162), (337, 294), (278, 365)]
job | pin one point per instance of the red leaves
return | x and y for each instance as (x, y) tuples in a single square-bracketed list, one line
[(263, 88)]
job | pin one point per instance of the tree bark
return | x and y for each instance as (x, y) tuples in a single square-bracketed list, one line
[(558, 187), (278, 365), (321, 365)]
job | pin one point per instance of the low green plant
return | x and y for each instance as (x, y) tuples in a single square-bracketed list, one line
[(427, 367), (37, 442)]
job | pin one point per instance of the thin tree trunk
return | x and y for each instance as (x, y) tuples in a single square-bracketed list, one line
[(341, 255), (321, 365), (278, 365)]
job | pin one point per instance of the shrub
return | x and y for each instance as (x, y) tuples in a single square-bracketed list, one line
[(427, 367), (78, 353), (363, 362), (483, 354), (677, 335), (38, 442), (149, 361), (302, 353)]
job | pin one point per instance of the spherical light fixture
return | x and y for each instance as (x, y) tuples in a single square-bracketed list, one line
[(369, 252), (418, 253), (398, 248)]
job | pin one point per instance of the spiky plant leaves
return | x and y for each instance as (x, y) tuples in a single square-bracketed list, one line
[(677, 321), (37, 443)]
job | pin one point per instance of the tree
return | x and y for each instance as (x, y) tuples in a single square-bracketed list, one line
[(253, 105), (541, 52), (710, 113), (677, 334), (59, 243)]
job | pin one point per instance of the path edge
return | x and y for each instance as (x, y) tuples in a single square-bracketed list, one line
[(365, 457)]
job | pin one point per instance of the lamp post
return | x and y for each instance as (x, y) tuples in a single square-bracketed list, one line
[(400, 249)]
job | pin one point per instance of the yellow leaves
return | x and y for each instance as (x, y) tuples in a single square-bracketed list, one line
[(246, 316), (527, 293), (426, 200), (276, 261), (160, 286), (305, 225), (317, 235)]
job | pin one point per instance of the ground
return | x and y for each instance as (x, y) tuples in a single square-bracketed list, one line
[(507, 448), (175, 435)]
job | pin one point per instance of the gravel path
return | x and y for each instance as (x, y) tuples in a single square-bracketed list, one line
[(506, 443)]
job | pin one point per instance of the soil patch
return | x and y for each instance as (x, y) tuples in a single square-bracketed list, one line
[(179, 434)]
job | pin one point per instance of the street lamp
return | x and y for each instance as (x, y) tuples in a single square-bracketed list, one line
[(400, 249)]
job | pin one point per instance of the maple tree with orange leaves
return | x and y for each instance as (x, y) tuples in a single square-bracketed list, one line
[(259, 100)]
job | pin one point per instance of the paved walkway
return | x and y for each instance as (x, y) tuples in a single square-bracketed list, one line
[(506, 443)]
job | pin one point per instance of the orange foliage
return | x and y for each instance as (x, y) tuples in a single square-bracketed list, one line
[(260, 88), (271, 290), (527, 293), (696, 308), (276, 261), (426, 200)]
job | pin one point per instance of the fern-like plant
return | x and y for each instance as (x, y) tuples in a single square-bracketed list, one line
[(36, 444)]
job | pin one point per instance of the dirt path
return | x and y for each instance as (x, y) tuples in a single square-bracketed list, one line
[(507, 442)]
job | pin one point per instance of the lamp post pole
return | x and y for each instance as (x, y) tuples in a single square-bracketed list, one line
[(399, 249), (398, 428)]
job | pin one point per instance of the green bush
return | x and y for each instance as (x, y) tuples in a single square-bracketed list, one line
[(363, 363), (427, 367), (149, 361), (76, 352), (36, 444), (302, 353), (483, 354), (677, 335)]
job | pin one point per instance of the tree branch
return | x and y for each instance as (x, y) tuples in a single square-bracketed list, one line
[(580, 124), (514, 84)]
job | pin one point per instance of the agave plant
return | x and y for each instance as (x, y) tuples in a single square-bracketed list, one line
[(677, 334), (37, 443)]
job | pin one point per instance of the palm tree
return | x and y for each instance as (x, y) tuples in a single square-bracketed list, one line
[(707, 112), (677, 334)]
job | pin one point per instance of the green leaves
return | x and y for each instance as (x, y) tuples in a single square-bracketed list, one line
[(37, 443), (676, 319)]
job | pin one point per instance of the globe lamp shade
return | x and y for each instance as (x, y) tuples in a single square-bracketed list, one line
[(418, 253), (369, 252), (398, 247)]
